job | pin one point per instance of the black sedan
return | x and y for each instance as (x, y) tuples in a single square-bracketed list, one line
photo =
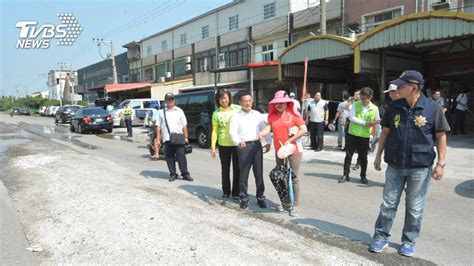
[(24, 112), (91, 119), (64, 113), (15, 111)]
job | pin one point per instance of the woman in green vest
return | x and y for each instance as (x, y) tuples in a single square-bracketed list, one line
[(227, 150), (363, 116)]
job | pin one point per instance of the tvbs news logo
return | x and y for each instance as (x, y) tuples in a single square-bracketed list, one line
[(34, 36)]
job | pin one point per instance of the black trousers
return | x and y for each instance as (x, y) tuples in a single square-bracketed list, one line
[(251, 156), (459, 122), (173, 153), (128, 124), (362, 146), (316, 135), (228, 155)]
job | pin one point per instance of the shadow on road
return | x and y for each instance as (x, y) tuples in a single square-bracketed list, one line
[(155, 174), (465, 189), (324, 162), (353, 180)]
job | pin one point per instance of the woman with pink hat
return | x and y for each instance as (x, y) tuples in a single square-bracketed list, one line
[(287, 126)]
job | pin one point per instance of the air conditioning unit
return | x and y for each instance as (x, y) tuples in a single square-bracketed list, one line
[(168, 75), (188, 67), (204, 68), (222, 57), (187, 59), (205, 61), (162, 79)]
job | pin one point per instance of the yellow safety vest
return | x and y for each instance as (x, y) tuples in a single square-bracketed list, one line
[(360, 130)]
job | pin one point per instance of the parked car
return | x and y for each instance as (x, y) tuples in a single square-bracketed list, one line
[(136, 104), (24, 111), (42, 110), (198, 107), (106, 103), (15, 111), (64, 113), (91, 119), (53, 110)]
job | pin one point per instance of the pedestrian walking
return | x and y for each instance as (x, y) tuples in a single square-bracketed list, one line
[(363, 116), (287, 126), (340, 118), (412, 126), (461, 108), (296, 102), (439, 99), (318, 113), (128, 118), (172, 132), (245, 130), (227, 149)]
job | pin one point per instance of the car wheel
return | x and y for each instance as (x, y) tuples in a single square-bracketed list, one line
[(55, 120), (202, 138), (109, 130), (71, 128), (79, 129)]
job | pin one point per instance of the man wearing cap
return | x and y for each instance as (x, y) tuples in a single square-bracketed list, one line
[(412, 126), (297, 103), (392, 92), (171, 120), (363, 116)]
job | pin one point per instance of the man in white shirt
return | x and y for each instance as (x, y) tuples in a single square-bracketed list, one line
[(461, 107), (341, 119), (297, 103), (174, 122), (245, 130), (318, 112)]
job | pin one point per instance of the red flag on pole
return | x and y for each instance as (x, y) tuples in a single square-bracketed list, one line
[(303, 93)]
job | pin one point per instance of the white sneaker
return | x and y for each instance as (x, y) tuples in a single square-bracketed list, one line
[(295, 212)]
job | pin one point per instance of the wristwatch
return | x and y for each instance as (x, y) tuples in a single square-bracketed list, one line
[(442, 165)]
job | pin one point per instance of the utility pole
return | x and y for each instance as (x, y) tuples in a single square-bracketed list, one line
[(72, 84), (322, 23), (112, 54)]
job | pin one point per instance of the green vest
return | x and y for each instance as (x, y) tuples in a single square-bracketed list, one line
[(127, 111), (360, 130)]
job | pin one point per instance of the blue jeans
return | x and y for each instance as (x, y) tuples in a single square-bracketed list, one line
[(128, 124), (417, 181)]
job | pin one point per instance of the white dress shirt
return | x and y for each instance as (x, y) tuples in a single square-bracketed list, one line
[(317, 110), (461, 102), (354, 119), (246, 126), (176, 121)]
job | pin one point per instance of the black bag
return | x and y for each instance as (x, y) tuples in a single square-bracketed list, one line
[(188, 149), (279, 178), (175, 138)]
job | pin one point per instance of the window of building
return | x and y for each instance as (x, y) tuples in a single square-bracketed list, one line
[(148, 50), (374, 19), (182, 39), (149, 74), (267, 53), (164, 45), (236, 54), (204, 61), (179, 66), (205, 31), (468, 6), (161, 70), (233, 22), (269, 10)]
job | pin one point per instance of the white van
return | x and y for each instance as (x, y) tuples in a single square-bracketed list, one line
[(139, 107)]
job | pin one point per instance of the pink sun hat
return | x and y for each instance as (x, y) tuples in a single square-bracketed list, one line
[(281, 97)]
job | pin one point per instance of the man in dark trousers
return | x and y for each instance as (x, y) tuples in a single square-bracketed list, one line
[(363, 116), (412, 127), (171, 120), (245, 130), (318, 113)]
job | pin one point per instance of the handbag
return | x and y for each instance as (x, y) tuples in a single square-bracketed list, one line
[(188, 149), (175, 138)]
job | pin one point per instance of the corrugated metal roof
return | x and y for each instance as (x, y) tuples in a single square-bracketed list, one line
[(317, 47), (417, 28)]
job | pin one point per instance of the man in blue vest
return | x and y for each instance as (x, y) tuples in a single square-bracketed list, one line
[(412, 126)]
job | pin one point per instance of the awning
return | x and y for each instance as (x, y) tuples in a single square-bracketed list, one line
[(127, 86), (317, 47), (219, 85), (263, 64)]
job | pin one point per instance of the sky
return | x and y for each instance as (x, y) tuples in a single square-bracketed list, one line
[(25, 71)]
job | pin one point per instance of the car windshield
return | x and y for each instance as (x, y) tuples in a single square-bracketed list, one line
[(94, 111)]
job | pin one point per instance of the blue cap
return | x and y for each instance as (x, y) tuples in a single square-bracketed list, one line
[(409, 76)]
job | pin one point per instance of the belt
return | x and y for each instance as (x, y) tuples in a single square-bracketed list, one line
[(252, 142)]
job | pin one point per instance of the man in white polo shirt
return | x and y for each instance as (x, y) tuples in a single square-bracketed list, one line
[(245, 130), (171, 120), (318, 118)]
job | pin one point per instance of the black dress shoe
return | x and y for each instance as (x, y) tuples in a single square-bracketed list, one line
[(364, 180), (188, 178), (172, 178), (244, 204), (262, 204), (343, 179)]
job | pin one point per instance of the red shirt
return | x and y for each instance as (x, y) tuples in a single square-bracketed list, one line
[(280, 126)]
